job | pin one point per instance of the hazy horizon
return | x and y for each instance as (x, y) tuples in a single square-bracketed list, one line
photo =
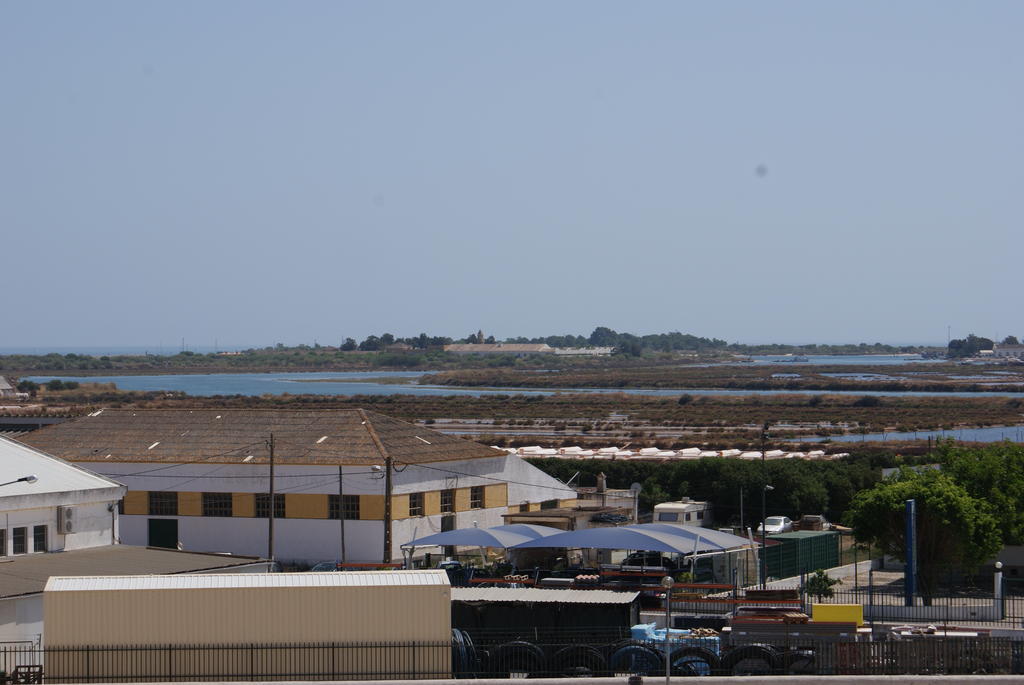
[(158, 349), (300, 172)]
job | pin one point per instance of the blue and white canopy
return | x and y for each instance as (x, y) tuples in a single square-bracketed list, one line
[(498, 536), (647, 537), (707, 539)]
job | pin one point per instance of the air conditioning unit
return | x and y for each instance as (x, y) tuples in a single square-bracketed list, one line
[(65, 520)]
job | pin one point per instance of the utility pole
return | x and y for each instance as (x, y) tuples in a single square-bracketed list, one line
[(270, 517), (387, 508), (742, 527), (764, 511), (341, 511)]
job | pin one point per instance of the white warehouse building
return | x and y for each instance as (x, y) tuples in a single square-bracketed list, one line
[(350, 484)]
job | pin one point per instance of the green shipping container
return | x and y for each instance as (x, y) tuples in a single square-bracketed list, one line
[(802, 551)]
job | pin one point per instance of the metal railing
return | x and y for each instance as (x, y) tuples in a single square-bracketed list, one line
[(318, 661), (515, 654)]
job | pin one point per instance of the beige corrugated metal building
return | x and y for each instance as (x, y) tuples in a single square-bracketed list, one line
[(251, 609)]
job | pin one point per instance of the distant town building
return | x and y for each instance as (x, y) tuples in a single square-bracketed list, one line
[(1008, 351), (499, 348), (584, 351), (201, 479), (6, 388)]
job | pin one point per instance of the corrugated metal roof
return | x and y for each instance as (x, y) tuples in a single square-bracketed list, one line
[(336, 436), (207, 581), (18, 460), (529, 594), (27, 574)]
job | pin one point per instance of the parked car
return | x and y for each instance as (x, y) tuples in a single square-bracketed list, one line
[(650, 559), (773, 525), (814, 522)]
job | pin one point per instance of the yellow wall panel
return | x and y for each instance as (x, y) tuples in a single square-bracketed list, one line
[(495, 495), (838, 613), (431, 503), (243, 504), (567, 502), (399, 507), (371, 507), (462, 499), (190, 504), (305, 506), (136, 502)]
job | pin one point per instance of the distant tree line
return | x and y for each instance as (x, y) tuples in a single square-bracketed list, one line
[(423, 350), (972, 345)]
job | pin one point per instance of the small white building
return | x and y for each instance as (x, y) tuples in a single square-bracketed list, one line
[(49, 505), (685, 512), (46, 505)]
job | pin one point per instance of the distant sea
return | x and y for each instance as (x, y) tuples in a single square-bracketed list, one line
[(161, 350)]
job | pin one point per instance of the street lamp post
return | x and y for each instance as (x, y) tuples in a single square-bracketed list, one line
[(668, 582), (764, 532), (23, 479)]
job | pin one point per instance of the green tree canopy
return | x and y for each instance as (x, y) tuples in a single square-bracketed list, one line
[(969, 346), (953, 528), (995, 474)]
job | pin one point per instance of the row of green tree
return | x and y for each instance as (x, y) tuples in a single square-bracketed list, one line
[(973, 344), (630, 344)]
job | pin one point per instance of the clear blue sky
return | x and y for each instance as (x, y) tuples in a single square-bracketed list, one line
[(256, 172)]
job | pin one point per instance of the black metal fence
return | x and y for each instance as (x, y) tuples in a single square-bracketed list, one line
[(567, 654), (159, 663), (534, 654), (517, 654)]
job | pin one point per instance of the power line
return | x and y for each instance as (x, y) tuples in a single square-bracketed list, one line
[(172, 466), (499, 480)]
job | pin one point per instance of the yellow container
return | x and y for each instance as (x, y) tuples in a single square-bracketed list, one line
[(838, 613)]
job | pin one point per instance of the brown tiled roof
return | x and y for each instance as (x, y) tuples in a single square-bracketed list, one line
[(27, 574), (341, 436)]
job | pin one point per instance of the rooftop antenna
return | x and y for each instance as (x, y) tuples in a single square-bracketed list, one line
[(569, 482)]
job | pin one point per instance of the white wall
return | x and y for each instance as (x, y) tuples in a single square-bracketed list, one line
[(94, 525), (318, 539), (307, 540), (21, 619)]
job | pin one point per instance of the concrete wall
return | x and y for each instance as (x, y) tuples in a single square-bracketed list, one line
[(21, 619), (305, 539), (94, 525)]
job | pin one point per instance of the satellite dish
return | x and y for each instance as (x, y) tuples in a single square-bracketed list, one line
[(635, 488)]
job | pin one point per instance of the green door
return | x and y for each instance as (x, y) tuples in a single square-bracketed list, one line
[(163, 533)]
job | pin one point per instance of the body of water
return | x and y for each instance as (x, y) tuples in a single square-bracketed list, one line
[(363, 383), (990, 434), (844, 359)]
